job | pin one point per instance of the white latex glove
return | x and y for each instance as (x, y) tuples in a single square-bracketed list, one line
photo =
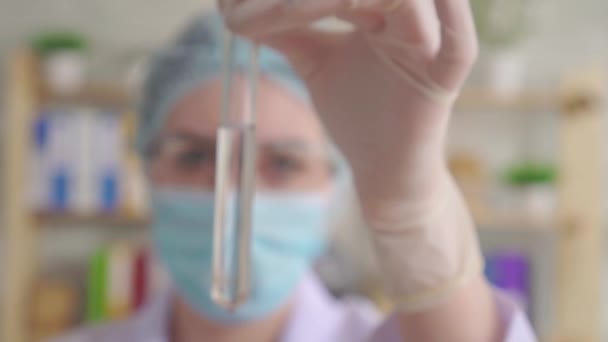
[(385, 93)]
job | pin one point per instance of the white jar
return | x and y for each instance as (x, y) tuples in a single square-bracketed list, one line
[(539, 201), (65, 71), (504, 72)]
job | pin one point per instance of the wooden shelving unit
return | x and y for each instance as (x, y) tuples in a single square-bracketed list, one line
[(581, 233), (580, 108), (25, 96), (44, 219), (540, 100), (20, 233), (105, 95), (513, 221), (578, 223)]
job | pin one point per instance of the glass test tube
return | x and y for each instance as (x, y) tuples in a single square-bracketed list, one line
[(234, 183)]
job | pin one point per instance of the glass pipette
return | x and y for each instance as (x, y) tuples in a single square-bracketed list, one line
[(234, 182)]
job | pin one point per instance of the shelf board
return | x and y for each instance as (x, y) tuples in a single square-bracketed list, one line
[(528, 101), (514, 222), (71, 219), (104, 95)]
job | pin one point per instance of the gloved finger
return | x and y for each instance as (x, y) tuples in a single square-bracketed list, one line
[(410, 37), (306, 48), (408, 21), (255, 17), (368, 21), (459, 45), (415, 23)]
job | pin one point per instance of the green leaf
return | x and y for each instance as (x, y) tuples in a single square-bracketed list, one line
[(58, 41), (531, 174)]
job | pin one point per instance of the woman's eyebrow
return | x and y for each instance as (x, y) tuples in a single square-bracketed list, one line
[(294, 146), (190, 137)]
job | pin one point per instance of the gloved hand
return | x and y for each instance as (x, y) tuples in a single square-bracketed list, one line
[(385, 93)]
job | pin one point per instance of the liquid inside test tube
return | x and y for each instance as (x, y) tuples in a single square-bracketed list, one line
[(235, 184)]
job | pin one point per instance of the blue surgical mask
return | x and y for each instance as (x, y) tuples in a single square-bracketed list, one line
[(289, 232)]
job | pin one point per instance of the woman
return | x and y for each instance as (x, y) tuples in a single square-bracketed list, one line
[(384, 94)]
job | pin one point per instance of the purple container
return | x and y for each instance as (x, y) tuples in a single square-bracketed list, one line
[(510, 272)]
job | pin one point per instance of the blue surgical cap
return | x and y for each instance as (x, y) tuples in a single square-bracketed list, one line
[(194, 59)]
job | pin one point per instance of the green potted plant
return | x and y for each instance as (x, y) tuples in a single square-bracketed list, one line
[(535, 182), (64, 60), (502, 26)]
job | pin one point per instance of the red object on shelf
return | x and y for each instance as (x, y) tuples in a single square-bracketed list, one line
[(140, 279)]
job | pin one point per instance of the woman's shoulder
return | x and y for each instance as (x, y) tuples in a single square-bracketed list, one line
[(319, 314), (361, 318), (360, 309)]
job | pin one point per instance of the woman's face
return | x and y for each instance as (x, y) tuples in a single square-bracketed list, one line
[(292, 149)]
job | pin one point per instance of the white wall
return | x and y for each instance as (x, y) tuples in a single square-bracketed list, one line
[(117, 29), (569, 33)]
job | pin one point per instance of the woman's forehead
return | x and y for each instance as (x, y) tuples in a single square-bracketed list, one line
[(280, 114)]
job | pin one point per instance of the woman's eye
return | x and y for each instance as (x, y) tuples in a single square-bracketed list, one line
[(194, 159), (286, 164)]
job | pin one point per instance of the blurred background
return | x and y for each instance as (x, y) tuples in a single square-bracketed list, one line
[(526, 145)]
